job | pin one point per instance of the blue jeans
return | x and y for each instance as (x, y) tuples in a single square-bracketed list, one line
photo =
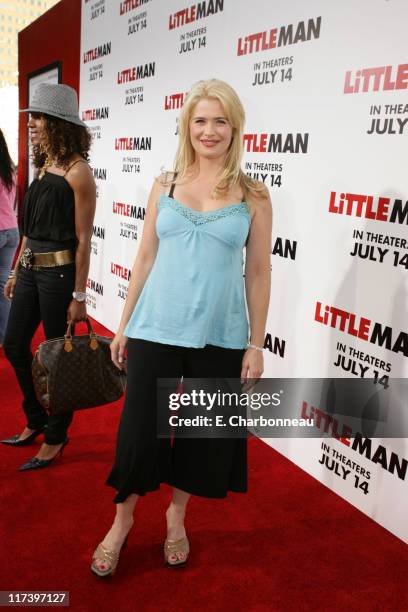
[(9, 240)]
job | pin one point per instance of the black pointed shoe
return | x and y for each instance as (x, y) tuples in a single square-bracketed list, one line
[(36, 464), (14, 441)]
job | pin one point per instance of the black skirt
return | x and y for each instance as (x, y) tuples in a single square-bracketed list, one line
[(208, 467)]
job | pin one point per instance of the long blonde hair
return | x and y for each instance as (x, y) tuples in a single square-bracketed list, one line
[(234, 111)]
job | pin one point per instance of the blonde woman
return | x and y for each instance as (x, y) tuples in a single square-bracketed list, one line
[(185, 315)]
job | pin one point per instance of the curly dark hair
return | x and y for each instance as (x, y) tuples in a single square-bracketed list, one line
[(62, 140), (6, 164)]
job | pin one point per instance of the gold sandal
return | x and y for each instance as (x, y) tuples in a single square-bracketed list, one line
[(172, 547), (110, 556)]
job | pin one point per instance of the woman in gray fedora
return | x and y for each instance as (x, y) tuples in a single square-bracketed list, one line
[(49, 281)]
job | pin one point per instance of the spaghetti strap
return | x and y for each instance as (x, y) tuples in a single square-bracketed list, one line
[(73, 164), (171, 192)]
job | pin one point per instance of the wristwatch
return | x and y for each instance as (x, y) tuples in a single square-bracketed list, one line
[(79, 296)]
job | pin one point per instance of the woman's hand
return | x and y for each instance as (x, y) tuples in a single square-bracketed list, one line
[(252, 367), (76, 311), (117, 347), (9, 288)]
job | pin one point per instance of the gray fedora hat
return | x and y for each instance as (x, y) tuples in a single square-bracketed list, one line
[(57, 100)]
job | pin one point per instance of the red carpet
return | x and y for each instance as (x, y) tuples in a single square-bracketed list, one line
[(289, 544)]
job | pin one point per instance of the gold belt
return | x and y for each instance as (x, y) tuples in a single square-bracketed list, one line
[(34, 261)]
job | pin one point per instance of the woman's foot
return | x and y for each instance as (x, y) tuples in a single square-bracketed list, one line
[(45, 457), (48, 451), (175, 532), (113, 542), (25, 438), (26, 433)]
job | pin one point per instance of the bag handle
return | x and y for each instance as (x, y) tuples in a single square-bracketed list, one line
[(68, 346)]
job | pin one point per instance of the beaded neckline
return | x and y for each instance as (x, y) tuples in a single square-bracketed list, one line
[(204, 212), (200, 218)]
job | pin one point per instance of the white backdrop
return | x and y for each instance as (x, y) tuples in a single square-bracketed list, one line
[(327, 116)]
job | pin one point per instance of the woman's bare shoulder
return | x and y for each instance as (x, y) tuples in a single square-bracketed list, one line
[(258, 197), (260, 190), (165, 178)]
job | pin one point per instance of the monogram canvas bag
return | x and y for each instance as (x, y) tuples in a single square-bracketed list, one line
[(76, 372)]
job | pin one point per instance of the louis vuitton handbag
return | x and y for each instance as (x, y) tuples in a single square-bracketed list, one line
[(76, 372)]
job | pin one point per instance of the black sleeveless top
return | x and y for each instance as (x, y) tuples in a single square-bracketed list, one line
[(49, 210)]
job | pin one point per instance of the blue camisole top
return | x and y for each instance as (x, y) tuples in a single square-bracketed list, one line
[(194, 294)]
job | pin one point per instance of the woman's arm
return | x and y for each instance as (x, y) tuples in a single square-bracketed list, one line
[(22, 247), (9, 286), (82, 182), (258, 283)]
